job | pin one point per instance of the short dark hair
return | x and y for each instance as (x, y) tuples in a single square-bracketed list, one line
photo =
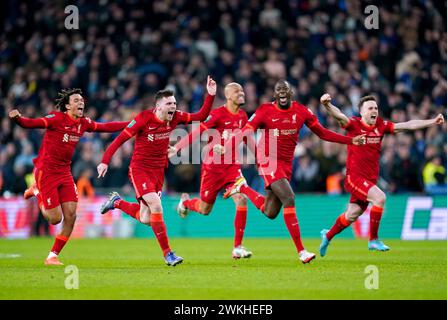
[(64, 97), (163, 94), (366, 98)]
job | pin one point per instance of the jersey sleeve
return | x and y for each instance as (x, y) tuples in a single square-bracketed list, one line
[(93, 126), (132, 129), (388, 127), (39, 123), (348, 126), (310, 118), (211, 121), (201, 115), (256, 120)]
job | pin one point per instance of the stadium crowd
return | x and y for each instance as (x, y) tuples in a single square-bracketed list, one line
[(125, 51)]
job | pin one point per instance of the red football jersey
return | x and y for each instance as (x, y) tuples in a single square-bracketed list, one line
[(363, 161), (227, 124), (60, 138), (152, 138), (283, 126)]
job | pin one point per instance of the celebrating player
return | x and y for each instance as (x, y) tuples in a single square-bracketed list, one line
[(362, 166), (282, 120), (56, 190), (226, 120), (152, 129)]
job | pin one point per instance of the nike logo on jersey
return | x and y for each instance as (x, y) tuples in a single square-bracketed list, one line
[(274, 120), (152, 128), (228, 122)]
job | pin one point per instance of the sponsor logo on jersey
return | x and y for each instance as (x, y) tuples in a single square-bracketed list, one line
[(69, 138)]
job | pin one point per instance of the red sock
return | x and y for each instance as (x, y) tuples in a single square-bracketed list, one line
[(240, 220), (292, 225), (59, 243), (193, 204), (340, 224), (130, 208), (256, 198), (374, 221), (159, 229)]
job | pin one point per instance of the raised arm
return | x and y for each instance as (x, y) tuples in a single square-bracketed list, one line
[(187, 140), (418, 124), (132, 129), (108, 126), (39, 123), (204, 111), (333, 111), (332, 136)]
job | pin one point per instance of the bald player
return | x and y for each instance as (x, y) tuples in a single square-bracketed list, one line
[(219, 173)]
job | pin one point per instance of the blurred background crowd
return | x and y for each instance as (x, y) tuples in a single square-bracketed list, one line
[(125, 51)]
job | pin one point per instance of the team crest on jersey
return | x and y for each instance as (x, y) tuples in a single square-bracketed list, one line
[(130, 125), (50, 116), (294, 118)]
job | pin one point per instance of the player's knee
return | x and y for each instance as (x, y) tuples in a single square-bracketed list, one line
[(289, 201), (156, 208), (145, 220), (271, 214), (55, 219), (240, 200), (205, 210), (380, 200), (351, 217)]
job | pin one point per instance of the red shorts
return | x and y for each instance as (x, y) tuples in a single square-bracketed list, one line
[(55, 187), (271, 174), (212, 181), (358, 187), (147, 180)]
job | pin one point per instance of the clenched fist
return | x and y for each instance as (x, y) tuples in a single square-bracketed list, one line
[(14, 114), (325, 99)]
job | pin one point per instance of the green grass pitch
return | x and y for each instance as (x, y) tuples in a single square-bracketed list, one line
[(134, 269)]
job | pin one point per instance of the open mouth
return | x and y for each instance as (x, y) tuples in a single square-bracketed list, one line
[(283, 100), (373, 117), (171, 113)]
